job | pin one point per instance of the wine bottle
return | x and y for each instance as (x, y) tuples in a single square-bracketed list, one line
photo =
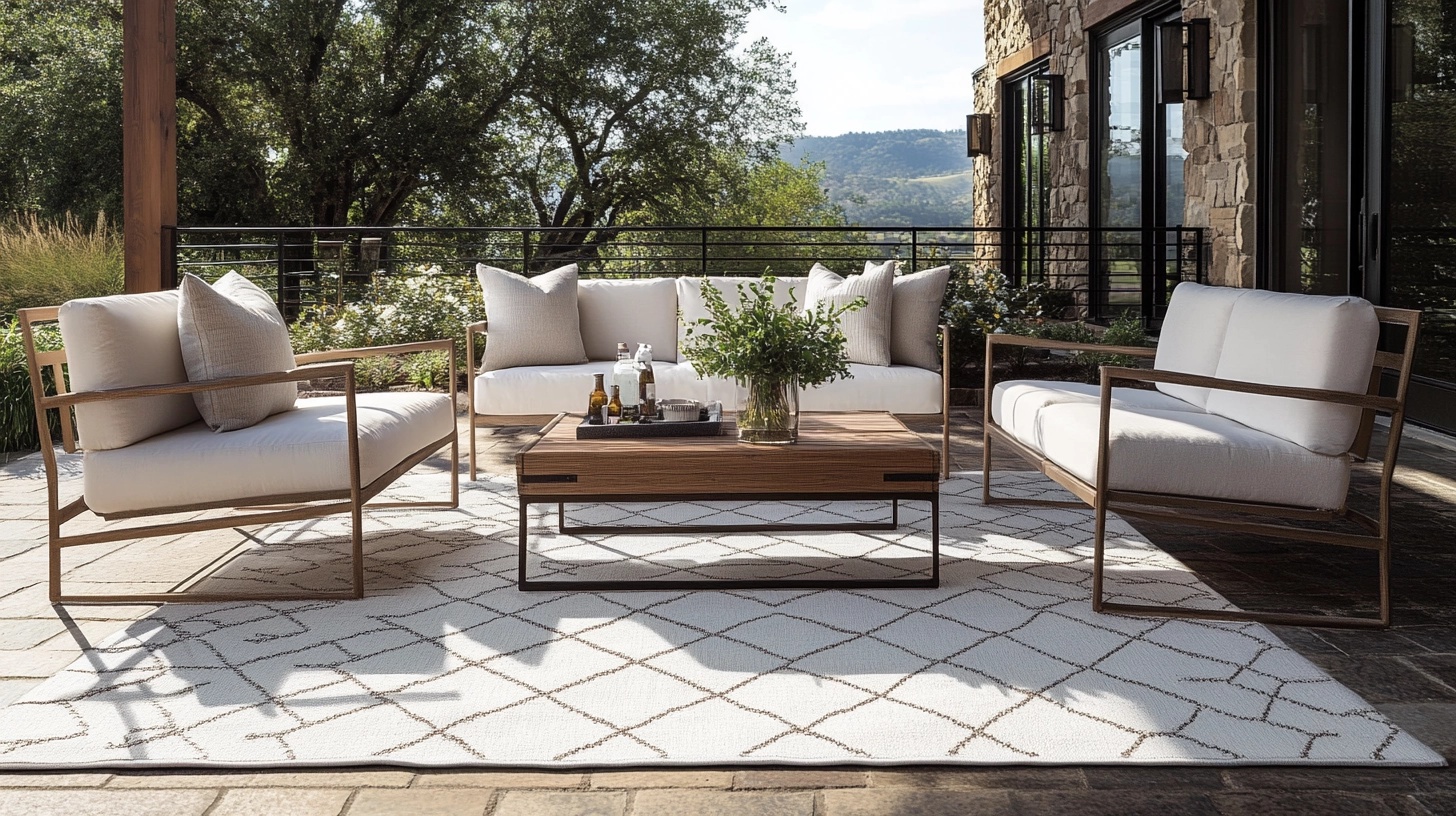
[(597, 401), (614, 408), (624, 376), (646, 383)]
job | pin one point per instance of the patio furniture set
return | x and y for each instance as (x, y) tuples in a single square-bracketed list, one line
[(186, 402)]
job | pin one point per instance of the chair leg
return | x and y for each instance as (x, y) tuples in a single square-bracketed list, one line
[(945, 441), (357, 546), (55, 569), (472, 443), (1099, 550), (455, 471), (985, 467)]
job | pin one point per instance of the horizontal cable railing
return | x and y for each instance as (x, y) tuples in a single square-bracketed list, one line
[(1102, 271)]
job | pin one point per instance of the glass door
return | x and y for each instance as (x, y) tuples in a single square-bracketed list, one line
[(1027, 179)]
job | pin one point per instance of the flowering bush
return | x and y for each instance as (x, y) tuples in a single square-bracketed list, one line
[(426, 305)]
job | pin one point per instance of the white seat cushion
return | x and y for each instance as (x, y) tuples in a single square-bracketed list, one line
[(1016, 405), (121, 341), (1192, 336), (628, 311), (1307, 341), (1189, 453), (301, 451), (536, 390)]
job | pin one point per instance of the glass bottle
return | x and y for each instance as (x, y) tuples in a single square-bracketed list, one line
[(614, 408), (646, 383), (624, 376), (597, 401)]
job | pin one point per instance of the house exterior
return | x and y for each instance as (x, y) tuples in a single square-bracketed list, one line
[(1320, 156)]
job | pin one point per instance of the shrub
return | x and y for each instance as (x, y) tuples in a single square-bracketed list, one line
[(395, 309), (47, 264), (1125, 330), (17, 408), (427, 370), (980, 302), (376, 373)]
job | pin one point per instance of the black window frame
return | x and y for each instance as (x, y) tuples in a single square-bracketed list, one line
[(1020, 254)]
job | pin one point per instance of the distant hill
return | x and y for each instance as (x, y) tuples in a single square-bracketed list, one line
[(894, 178)]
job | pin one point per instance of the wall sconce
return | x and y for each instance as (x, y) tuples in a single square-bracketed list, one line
[(1048, 103), (1185, 60), (978, 134)]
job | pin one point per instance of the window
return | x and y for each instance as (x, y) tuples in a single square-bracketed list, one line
[(1027, 177)]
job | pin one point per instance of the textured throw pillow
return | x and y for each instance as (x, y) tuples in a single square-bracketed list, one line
[(233, 329), (533, 321), (915, 317), (867, 329)]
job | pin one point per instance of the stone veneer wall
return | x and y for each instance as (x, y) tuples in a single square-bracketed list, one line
[(1219, 133)]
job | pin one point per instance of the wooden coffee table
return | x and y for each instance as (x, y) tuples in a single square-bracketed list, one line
[(839, 457)]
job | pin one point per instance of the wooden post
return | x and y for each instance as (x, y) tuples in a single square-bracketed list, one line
[(149, 123)]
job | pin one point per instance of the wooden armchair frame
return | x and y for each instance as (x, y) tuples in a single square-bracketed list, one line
[(1374, 533), (249, 510), (481, 328)]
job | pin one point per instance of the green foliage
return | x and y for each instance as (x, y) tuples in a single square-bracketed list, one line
[(427, 370), (1125, 330), (376, 373), (47, 264), (980, 302), (17, 406), (762, 341), (428, 305)]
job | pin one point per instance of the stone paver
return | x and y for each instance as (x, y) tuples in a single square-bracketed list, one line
[(275, 801), (110, 803), (715, 803), (439, 802), (1409, 672), (562, 803)]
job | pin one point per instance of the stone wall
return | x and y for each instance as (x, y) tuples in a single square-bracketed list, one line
[(1219, 133)]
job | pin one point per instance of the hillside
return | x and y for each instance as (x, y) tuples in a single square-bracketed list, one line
[(894, 178)]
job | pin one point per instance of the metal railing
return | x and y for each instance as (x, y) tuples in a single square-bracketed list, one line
[(1104, 271)]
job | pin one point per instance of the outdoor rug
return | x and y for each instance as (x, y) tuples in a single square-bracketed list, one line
[(446, 663)]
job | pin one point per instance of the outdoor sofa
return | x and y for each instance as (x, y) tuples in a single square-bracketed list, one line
[(647, 311)]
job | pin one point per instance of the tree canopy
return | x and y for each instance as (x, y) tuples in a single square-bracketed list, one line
[(374, 112)]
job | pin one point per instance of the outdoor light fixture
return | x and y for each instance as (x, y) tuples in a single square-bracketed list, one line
[(1048, 103), (1185, 60), (978, 134)]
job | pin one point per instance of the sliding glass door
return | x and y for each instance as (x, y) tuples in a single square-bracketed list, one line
[(1027, 178)]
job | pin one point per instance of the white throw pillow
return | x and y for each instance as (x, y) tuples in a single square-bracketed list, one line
[(866, 329), (915, 317), (533, 321), (631, 312), (118, 342), (234, 329)]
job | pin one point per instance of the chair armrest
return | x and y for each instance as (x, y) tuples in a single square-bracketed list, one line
[(1065, 345), (1111, 373), (447, 345), (169, 389)]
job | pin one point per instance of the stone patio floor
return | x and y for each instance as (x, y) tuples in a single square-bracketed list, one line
[(1408, 672)]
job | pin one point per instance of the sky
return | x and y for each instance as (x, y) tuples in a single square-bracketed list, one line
[(871, 65)]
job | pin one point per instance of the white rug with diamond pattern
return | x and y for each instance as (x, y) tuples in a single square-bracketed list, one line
[(445, 663)]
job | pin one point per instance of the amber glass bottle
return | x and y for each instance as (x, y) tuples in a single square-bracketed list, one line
[(614, 408), (597, 402)]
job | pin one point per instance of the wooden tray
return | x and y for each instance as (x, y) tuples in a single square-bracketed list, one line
[(651, 430)]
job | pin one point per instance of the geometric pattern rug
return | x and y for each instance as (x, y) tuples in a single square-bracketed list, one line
[(445, 663)]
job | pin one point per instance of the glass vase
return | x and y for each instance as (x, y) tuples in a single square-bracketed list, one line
[(768, 410)]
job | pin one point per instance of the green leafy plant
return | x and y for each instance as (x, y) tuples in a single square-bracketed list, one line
[(981, 302), (427, 305), (48, 263), (427, 370), (17, 407), (1125, 330), (376, 373)]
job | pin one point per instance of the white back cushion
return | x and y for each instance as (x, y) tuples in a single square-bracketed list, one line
[(631, 312), (1193, 336), (690, 297), (121, 341), (915, 317), (1306, 341)]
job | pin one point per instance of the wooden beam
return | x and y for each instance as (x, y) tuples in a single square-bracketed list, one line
[(149, 123)]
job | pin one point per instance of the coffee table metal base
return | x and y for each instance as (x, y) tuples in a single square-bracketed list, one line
[(552, 585)]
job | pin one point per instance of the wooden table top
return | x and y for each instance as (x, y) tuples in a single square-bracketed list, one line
[(862, 452)]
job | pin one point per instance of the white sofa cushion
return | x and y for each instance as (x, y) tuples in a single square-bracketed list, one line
[(539, 390), (628, 311), (690, 298), (915, 317), (121, 341), (1305, 341), (1192, 336), (233, 329), (533, 321), (866, 329), (897, 389), (1191, 453), (1016, 405), (301, 451)]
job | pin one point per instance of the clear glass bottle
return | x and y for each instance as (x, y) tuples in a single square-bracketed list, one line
[(597, 401), (646, 383), (624, 376)]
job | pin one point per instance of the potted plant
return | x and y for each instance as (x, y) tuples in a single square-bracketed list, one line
[(771, 351)]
